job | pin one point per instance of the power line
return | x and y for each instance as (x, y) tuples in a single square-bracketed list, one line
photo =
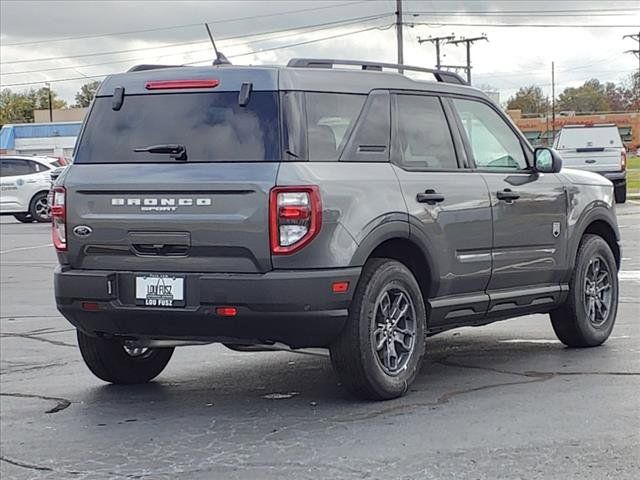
[(528, 12), (173, 27), (518, 25), (309, 28), (230, 56), (170, 45)]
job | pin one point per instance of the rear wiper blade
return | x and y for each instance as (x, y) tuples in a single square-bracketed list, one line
[(175, 150)]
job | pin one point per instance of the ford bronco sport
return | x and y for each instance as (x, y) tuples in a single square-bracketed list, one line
[(313, 206)]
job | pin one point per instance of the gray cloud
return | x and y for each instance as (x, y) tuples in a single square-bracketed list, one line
[(514, 56)]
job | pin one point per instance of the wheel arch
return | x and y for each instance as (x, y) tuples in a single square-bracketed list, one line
[(393, 240), (601, 222)]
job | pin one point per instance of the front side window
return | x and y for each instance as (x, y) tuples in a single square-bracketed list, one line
[(330, 118), (494, 144), (422, 136)]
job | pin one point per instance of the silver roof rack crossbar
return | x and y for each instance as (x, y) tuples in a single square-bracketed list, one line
[(440, 75)]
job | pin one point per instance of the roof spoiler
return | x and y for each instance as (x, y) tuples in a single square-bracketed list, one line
[(440, 75), (148, 66)]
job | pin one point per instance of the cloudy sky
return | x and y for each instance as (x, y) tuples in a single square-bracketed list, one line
[(71, 42)]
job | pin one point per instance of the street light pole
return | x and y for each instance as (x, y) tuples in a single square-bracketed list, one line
[(50, 102)]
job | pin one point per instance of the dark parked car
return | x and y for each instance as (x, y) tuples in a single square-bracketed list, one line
[(313, 206)]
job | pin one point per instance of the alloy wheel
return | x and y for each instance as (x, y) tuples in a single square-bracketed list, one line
[(394, 334), (597, 292)]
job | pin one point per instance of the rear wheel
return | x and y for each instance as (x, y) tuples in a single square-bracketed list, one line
[(379, 353), (115, 362), (589, 313), (39, 209), (23, 217), (620, 192)]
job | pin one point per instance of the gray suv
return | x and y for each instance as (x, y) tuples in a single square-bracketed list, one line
[(313, 206)]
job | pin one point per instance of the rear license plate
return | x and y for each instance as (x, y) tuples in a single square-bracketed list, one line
[(160, 291)]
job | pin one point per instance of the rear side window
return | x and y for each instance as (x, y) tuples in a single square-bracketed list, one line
[(211, 126), (11, 167), (330, 118), (422, 136)]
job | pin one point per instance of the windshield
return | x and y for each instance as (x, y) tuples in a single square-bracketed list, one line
[(212, 127), (596, 137)]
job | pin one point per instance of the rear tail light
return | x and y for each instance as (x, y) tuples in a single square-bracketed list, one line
[(59, 218), (623, 160), (295, 217)]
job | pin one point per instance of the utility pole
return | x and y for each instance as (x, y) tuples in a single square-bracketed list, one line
[(635, 52), (553, 101), (50, 102), (468, 42), (399, 34), (436, 41)]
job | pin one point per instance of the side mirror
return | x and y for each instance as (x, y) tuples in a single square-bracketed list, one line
[(546, 160)]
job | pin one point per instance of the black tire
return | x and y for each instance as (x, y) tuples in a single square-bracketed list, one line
[(620, 192), (23, 217), (355, 358), (109, 361), (573, 323), (37, 210)]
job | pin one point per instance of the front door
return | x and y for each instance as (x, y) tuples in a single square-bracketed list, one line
[(529, 208), (448, 205)]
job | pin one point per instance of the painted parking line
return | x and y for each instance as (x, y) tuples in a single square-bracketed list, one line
[(18, 249), (629, 274)]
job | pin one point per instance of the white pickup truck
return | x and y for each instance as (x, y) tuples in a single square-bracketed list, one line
[(596, 148)]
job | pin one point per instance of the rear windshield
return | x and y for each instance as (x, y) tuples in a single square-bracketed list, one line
[(212, 127), (596, 137)]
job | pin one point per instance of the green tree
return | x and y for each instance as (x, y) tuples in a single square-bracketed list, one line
[(529, 99), (86, 94), (590, 97), (18, 107)]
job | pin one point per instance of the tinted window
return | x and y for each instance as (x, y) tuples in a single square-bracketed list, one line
[(11, 167), (493, 143), (37, 167), (423, 138), (211, 126), (369, 141), (330, 118)]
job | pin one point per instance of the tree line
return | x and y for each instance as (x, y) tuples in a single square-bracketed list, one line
[(18, 107), (592, 96)]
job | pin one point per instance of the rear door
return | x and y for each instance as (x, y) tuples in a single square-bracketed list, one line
[(206, 212), (593, 148), (529, 209), (448, 206), (20, 179)]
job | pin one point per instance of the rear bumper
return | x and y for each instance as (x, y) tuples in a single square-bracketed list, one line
[(618, 178), (295, 307)]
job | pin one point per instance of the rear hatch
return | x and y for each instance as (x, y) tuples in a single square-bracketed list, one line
[(202, 208), (596, 148)]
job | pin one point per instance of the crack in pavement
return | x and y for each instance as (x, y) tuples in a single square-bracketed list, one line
[(61, 403), (531, 377), (19, 463), (26, 368), (33, 337)]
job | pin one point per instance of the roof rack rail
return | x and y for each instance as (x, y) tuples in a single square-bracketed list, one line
[(440, 75), (148, 66)]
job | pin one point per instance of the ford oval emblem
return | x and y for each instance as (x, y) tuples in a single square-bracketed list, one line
[(82, 231)]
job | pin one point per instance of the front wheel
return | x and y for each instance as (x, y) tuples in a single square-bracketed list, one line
[(586, 319), (380, 350), (115, 362)]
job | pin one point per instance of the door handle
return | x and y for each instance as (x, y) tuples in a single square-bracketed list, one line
[(507, 195), (430, 196)]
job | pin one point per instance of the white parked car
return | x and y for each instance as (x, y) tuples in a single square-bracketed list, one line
[(24, 186)]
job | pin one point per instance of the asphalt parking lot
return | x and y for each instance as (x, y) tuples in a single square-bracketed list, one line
[(502, 401)]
